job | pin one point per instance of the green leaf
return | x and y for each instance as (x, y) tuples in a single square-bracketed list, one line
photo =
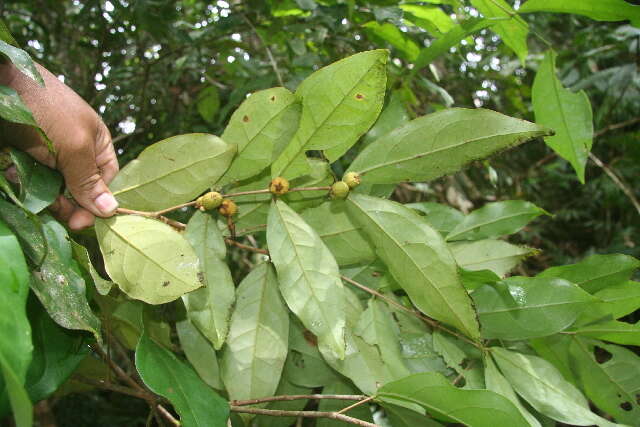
[(209, 308), (513, 30), (377, 327), (172, 171), (260, 127), (305, 366), (57, 353), (389, 33), (418, 259), (200, 353), (474, 279), (341, 387), (528, 307), (495, 381), (28, 228), (555, 350), (345, 240), (441, 217), (612, 384), (600, 10), (432, 391), (460, 357), (362, 363), (619, 300), (440, 143), (430, 18), (339, 103), (568, 113), (13, 109), (15, 331), (256, 349), (450, 39), (80, 254), (5, 35), (495, 220), (613, 330), (21, 60), (208, 103), (6, 187), (497, 256), (403, 417), (308, 276), (39, 185), (542, 385), (148, 259), (596, 272), (59, 285), (166, 375)]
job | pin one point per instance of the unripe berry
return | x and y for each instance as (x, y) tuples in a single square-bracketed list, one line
[(209, 201), (228, 208), (339, 190), (279, 186), (352, 179)]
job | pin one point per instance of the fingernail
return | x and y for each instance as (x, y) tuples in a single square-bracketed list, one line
[(106, 203)]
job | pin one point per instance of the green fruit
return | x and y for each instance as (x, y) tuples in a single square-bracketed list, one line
[(209, 201), (352, 179), (339, 190), (279, 186)]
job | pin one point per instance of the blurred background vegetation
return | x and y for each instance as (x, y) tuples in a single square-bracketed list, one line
[(157, 68)]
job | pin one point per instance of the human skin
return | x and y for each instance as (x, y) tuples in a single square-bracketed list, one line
[(84, 153)]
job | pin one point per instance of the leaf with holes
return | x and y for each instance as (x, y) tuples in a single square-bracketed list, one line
[(418, 258), (260, 127), (339, 103), (440, 143), (256, 349), (148, 259), (209, 308), (172, 171), (308, 276), (610, 376)]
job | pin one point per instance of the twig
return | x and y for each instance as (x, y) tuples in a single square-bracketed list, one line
[(117, 369), (121, 137), (348, 408), (299, 397), (246, 247), (167, 415), (617, 180), (616, 126), (420, 316), (114, 387), (306, 414), (272, 60)]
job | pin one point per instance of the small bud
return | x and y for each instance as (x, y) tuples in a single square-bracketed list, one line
[(279, 186), (209, 201), (339, 190), (228, 208), (352, 179)]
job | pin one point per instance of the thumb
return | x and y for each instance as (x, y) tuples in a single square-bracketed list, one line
[(85, 183)]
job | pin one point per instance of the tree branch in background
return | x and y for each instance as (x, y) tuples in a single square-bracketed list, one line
[(305, 414)]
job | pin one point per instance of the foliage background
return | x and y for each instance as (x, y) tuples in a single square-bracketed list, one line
[(156, 68)]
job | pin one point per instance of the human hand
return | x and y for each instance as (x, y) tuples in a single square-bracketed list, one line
[(84, 152)]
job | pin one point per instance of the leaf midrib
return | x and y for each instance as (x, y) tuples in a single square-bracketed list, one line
[(303, 145), (483, 224), (383, 231)]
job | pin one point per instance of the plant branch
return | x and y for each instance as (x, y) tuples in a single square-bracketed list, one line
[(350, 407), (305, 414), (428, 320), (117, 369), (299, 397), (167, 415), (246, 247), (114, 387), (617, 126), (272, 60), (616, 180)]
